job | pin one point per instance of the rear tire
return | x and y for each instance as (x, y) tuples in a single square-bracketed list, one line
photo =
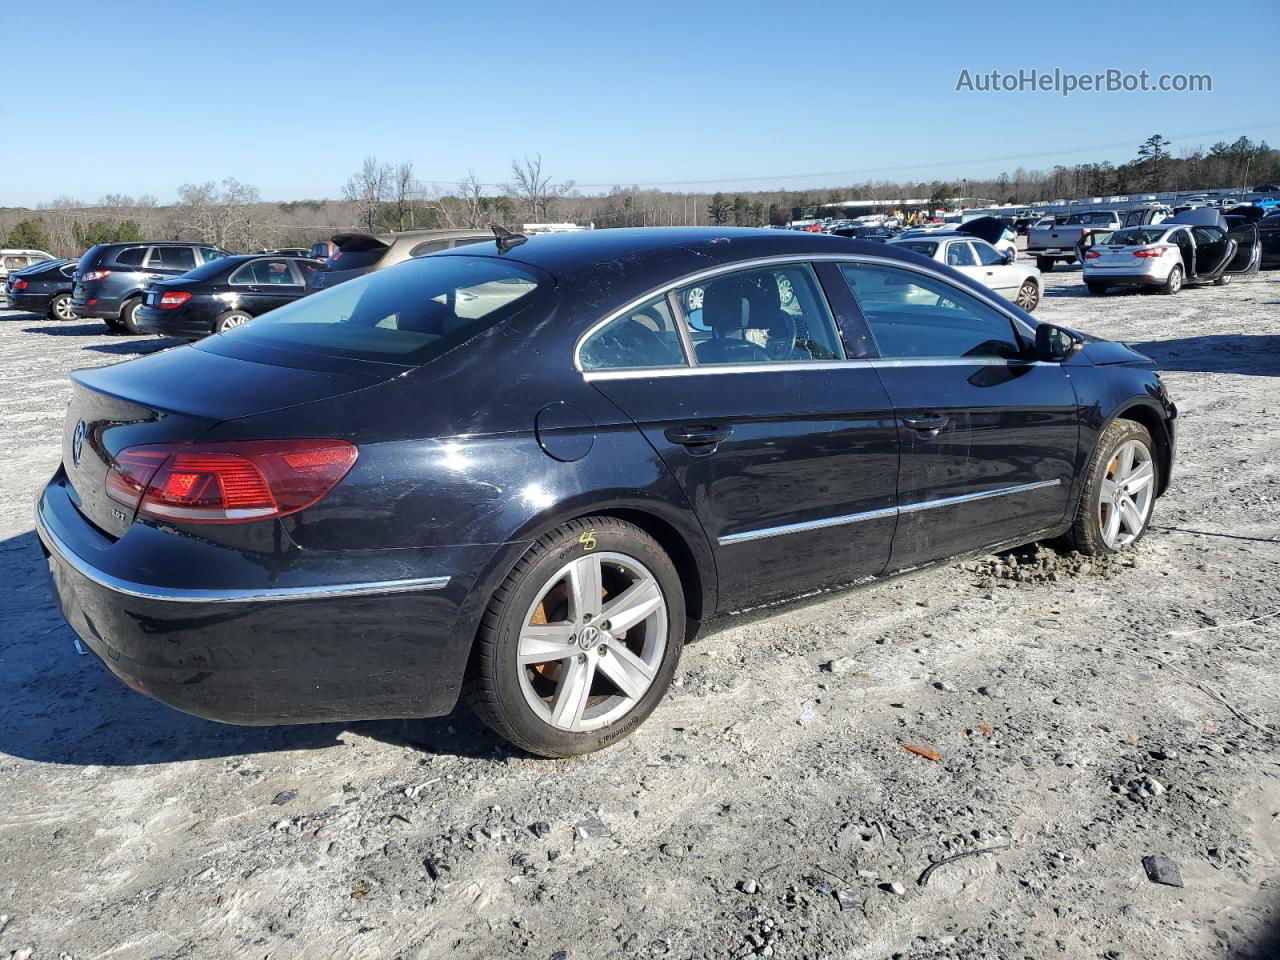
[(60, 308), (1173, 282), (113, 324), (129, 315), (1097, 289), (230, 320), (1118, 498), (1028, 297), (1044, 264), (570, 702)]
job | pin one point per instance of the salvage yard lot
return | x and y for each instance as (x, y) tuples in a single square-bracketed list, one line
[(1086, 715)]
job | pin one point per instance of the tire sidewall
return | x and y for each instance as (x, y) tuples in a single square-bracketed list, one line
[(1117, 433), (53, 307), (128, 318), (536, 734), (219, 325)]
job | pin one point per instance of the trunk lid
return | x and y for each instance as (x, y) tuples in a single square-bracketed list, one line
[(173, 396)]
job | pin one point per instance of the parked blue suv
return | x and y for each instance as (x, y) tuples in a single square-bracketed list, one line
[(111, 277)]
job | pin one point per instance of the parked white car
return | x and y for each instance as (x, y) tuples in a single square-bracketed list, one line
[(978, 259)]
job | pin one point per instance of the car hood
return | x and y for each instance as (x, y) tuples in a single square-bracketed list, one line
[(1100, 353), (990, 229)]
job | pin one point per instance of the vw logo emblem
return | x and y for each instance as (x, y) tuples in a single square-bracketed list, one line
[(77, 443), (588, 638)]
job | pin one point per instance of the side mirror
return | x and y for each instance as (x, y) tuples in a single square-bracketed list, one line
[(1055, 344), (1009, 258)]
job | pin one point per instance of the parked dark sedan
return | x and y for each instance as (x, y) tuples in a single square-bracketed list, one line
[(1269, 235), (43, 288), (523, 466), (222, 294)]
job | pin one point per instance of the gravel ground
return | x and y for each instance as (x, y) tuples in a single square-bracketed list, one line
[(1070, 718)]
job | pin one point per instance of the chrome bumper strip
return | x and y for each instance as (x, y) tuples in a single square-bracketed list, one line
[(58, 548), (878, 514)]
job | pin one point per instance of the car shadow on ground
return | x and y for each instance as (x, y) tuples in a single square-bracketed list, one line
[(1251, 354), (123, 346), (59, 707)]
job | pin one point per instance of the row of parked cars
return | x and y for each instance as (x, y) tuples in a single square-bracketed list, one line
[(191, 290)]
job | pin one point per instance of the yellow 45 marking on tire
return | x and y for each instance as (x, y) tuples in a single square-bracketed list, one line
[(588, 540)]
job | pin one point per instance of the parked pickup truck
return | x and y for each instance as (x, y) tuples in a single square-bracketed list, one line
[(1058, 242)]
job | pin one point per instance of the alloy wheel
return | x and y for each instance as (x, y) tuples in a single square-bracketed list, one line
[(235, 320), (1028, 296), (62, 308), (1128, 489), (592, 642)]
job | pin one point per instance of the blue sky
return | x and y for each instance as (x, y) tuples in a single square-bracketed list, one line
[(142, 97)]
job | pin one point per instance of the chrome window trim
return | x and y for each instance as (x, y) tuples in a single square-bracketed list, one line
[(987, 297), (798, 366), (806, 526), (128, 588)]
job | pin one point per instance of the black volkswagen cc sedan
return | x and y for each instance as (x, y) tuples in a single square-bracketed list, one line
[(222, 294), (43, 288), (530, 469)]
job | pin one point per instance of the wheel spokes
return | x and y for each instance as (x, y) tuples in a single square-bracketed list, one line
[(629, 673), (545, 642), (1130, 516), (585, 589), (1111, 529), (1140, 477), (572, 692), (632, 606)]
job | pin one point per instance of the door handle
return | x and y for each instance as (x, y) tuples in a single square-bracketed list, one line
[(698, 434), (926, 423)]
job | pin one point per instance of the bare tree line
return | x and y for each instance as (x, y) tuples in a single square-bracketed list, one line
[(383, 196)]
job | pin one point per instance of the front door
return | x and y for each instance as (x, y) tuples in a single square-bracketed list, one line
[(1214, 250), (265, 284), (988, 437), (1248, 255), (1004, 278), (787, 451)]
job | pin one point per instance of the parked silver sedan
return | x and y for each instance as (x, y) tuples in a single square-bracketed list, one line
[(984, 263)]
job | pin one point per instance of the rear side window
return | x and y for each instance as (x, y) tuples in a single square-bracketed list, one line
[(409, 315), (172, 258), (645, 336), (131, 256), (770, 315), (917, 316), (960, 255)]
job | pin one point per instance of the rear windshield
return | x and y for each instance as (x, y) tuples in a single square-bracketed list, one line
[(356, 259), (924, 247), (1136, 236), (90, 257), (407, 315)]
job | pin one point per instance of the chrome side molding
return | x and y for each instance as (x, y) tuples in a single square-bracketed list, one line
[(785, 529), (127, 588)]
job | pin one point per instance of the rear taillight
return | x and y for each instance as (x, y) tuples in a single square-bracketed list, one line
[(95, 275), (233, 482), (132, 469), (1157, 252), (1092, 255), (19, 284), (171, 300)]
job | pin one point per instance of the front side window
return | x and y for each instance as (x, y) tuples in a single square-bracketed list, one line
[(959, 255), (644, 336), (409, 315), (988, 255), (769, 315), (917, 316)]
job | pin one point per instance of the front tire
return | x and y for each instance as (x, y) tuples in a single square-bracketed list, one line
[(1028, 297), (1119, 492), (129, 315), (60, 308), (581, 641)]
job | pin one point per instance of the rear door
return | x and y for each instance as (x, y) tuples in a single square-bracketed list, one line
[(787, 450), (988, 436), (1214, 250)]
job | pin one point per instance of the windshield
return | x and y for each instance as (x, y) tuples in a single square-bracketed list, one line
[(409, 314), (1136, 236)]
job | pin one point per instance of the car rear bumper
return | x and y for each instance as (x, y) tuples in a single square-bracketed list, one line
[(1108, 278), (162, 323), (33, 302), (325, 640), (90, 305)]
